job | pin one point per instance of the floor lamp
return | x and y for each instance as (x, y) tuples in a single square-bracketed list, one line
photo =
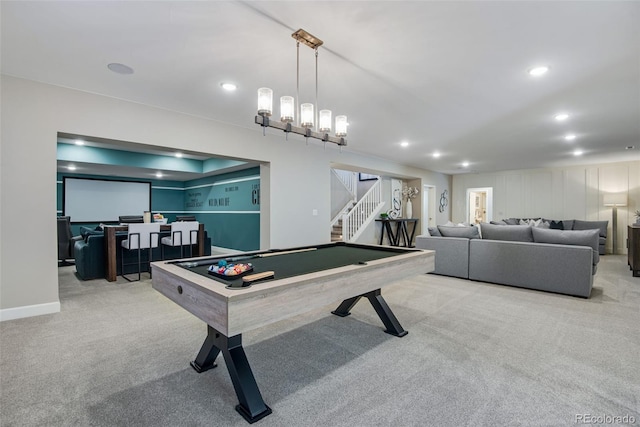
[(615, 200)]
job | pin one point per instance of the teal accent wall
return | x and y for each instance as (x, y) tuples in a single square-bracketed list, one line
[(228, 205)]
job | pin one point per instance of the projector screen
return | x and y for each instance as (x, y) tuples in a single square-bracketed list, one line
[(97, 200)]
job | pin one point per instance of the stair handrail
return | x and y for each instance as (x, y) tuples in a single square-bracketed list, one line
[(349, 180), (362, 211), (342, 211)]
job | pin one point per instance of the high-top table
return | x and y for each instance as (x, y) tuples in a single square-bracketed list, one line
[(111, 250)]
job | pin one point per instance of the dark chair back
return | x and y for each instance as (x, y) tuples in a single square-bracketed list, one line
[(185, 217), (131, 219), (64, 238)]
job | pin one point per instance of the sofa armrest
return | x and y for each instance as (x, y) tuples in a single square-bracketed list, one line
[(89, 257), (452, 254)]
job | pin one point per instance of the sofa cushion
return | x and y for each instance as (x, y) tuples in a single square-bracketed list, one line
[(567, 224), (515, 233), (456, 231), (433, 231), (601, 226), (569, 237)]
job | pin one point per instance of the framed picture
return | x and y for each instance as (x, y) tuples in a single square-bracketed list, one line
[(367, 177)]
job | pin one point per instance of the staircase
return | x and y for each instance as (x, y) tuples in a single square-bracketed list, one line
[(349, 224), (336, 227), (350, 181)]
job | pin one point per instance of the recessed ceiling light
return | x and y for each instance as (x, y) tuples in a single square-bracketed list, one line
[(569, 137), (465, 164), (120, 68), (228, 86), (404, 144), (538, 71), (158, 174), (79, 142), (577, 153), (561, 117), (71, 167), (436, 154), (178, 155)]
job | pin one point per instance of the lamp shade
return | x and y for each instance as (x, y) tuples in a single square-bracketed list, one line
[(325, 121), (306, 115), (286, 109), (341, 126), (615, 199), (265, 101)]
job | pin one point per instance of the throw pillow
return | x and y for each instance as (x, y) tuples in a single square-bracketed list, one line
[(434, 232), (498, 222), (512, 221), (567, 224), (514, 233), (556, 225), (455, 231)]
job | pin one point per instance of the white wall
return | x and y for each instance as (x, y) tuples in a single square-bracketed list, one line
[(296, 174), (558, 193)]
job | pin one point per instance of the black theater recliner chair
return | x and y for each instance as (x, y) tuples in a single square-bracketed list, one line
[(66, 241)]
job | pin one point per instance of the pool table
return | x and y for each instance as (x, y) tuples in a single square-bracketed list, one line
[(303, 279)]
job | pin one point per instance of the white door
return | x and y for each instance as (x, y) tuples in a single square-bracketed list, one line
[(428, 208), (479, 205)]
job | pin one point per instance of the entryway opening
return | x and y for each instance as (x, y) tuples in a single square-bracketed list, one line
[(479, 205)]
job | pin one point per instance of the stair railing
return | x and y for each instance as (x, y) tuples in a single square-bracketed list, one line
[(349, 180), (362, 212), (342, 211)]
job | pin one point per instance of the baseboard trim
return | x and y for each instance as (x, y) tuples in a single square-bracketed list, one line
[(29, 311)]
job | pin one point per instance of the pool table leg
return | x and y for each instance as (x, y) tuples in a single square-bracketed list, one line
[(251, 405), (380, 306)]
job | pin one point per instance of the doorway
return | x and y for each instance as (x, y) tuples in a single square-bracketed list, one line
[(479, 205), (428, 208)]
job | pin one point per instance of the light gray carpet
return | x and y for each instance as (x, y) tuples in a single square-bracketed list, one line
[(476, 355)]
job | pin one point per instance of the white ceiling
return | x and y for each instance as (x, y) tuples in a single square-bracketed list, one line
[(447, 76)]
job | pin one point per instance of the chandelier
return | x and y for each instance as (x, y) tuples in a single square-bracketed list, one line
[(307, 123)]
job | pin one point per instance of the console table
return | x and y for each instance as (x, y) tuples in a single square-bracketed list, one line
[(633, 249), (401, 231)]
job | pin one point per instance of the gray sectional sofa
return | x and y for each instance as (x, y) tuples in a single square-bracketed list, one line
[(553, 260)]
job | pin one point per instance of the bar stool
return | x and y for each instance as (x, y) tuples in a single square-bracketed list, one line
[(183, 233), (140, 237)]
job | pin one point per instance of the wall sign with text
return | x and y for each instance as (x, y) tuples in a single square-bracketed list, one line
[(240, 195)]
